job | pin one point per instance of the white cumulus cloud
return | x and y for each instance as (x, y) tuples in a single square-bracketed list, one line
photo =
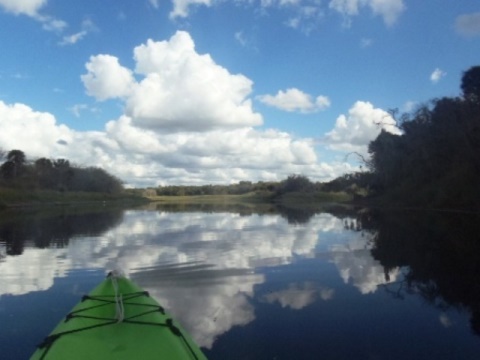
[(87, 26), (297, 296), (32, 8), (437, 75), (155, 3), (231, 256), (74, 38), (389, 10), (181, 8), (295, 100), (30, 131), (106, 78), (353, 258), (187, 120), (25, 7), (181, 90), (303, 15), (144, 157), (353, 132)]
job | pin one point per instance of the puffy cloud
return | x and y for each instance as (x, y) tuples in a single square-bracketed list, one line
[(306, 18), (22, 274), (31, 8), (305, 15), (362, 125), (106, 78), (181, 7), (437, 75), (223, 263), (78, 108), (168, 236), (214, 156), (346, 7), (389, 10), (25, 7), (352, 256), (230, 257), (74, 38), (154, 3), (358, 267), (87, 26), (468, 24), (214, 141), (296, 100), (31, 131), (219, 305), (143, 157), (183, 90), (240, 37), (298, 296), (52, 24)]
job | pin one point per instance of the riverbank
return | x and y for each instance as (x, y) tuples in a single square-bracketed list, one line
[(19, 198), (265, 197)]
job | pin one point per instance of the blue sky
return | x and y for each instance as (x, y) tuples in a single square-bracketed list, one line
[(217, 91)]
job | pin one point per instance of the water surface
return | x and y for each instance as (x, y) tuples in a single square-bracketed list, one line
[(257, 284)]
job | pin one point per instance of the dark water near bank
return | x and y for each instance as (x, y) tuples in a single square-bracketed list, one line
[(257, 283)]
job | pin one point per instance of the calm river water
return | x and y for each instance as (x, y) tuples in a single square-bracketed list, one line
[(257, 283)]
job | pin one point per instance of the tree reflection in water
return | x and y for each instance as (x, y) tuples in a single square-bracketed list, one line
[(440, 252), (54, 230)]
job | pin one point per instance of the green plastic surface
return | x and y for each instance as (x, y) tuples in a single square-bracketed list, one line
[(92, 331)]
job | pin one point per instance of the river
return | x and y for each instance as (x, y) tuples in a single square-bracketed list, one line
[(256, 283)]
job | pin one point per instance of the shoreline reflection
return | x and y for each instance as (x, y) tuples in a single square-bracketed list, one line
[(219, 273)]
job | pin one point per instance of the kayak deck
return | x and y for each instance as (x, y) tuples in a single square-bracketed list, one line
[(118, 320)]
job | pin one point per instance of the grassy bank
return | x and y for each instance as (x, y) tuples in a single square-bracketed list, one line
[(20, 198), (253, 197), (293, 198)]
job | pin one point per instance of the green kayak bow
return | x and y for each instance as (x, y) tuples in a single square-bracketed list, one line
[(118, 320)]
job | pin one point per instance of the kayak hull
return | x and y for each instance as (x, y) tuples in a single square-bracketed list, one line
[(118, 320)]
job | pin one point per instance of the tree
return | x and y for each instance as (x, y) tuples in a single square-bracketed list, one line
[(93, 179), (7, 170), (296, 183), (386, 162), (471, 84), (436, 161), (14, 164), (64, 173), (18, 159), (43, 169), (17, 156)]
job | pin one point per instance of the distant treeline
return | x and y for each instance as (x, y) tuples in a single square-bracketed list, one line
[(59, 175), (436, 161), (293, 183), (243, 187)]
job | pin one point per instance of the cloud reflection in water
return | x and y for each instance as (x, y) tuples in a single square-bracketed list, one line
[(204, 266)]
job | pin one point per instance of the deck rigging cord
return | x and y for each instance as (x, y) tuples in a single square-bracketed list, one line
[(119, 307), (119, 300)]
